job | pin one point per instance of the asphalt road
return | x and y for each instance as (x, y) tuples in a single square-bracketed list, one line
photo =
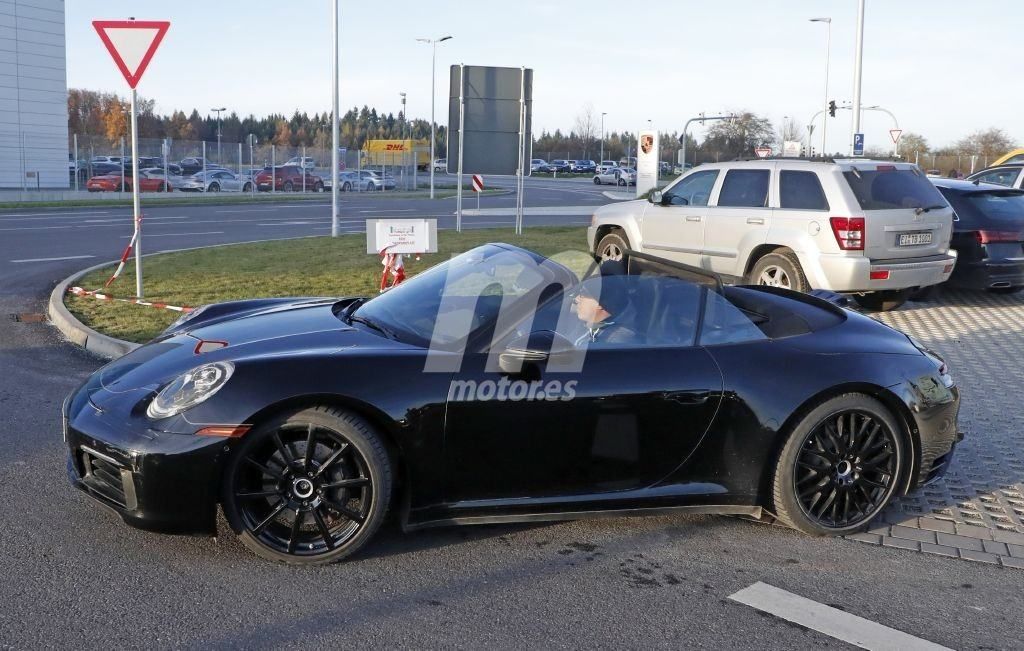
[(74, 575)]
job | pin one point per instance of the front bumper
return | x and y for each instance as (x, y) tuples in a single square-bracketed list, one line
[(154, 480), (841, 273)]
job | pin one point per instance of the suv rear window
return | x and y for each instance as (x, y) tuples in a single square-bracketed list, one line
[(996, 205), (801, 191), (745, 189), (892, 189)]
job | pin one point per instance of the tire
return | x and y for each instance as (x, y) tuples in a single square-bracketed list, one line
[(347, 187), (882, 301), (612, 246), (269, 482), (247, 187), (622, 182), (319, 187), (161, 188), (823, 470), (214, 187), (288, 187), (597, 181), (1005, 290), (780, 268)]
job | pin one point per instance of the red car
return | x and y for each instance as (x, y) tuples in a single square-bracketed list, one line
[(112, 183), (288, 178)]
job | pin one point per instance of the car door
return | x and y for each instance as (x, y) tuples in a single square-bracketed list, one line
[(619, 417), (674, 228), (739, 217)]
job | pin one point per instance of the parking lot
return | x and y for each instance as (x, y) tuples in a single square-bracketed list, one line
[(76, 574)]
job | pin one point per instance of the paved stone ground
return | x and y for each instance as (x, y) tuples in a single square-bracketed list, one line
[(977, 513)]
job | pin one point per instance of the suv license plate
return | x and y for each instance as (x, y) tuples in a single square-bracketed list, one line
[(915, 239)]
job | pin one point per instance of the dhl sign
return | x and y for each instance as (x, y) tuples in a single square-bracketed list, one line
[(396, 152)]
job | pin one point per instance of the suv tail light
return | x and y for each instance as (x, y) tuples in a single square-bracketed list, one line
[(849, 232), (999, 236)]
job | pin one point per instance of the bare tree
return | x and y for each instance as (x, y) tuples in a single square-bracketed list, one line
[(791, 130), (911, 143), (740, 135), (988, 142), (585, 127)]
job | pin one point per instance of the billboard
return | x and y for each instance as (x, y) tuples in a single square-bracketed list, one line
[(491, 118), (647, 162)]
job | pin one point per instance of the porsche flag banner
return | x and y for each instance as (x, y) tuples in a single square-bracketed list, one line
[(646, 162)]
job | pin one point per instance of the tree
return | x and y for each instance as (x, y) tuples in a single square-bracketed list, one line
[(115, 118), (792, 131), (740, 135), (585, 127), (990, 142), (283, 134), (913, 142)]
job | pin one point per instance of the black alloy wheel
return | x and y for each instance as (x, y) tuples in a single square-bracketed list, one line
[(597, 180), (840, 467), (310, 488), (214, 187), (288, 187)]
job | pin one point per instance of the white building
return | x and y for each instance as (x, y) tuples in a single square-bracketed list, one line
[(33, 95)]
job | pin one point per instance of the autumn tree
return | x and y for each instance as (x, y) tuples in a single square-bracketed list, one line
[(990, 142)]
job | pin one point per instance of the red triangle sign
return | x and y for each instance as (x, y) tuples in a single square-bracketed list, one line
[(131, 43)]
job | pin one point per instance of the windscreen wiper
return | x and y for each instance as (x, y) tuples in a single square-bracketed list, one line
[(372, 324), (920, 210)]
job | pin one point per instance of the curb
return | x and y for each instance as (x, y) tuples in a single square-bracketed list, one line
[(76, 331), (97, 343)]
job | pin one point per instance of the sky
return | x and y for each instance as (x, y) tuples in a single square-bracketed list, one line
[(932, 63)]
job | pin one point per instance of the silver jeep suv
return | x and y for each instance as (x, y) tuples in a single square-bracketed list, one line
[(876, 229)]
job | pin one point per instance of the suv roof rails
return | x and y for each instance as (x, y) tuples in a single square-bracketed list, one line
[(824, 159)]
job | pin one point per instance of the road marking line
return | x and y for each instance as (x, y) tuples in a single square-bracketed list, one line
[(390, 210), (175, 234), (250, 210), (831, 621), (67, 257), (50, 214)]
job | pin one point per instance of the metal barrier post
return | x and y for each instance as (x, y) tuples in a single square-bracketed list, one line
[(204, 166), (78, 172), (302, 166), (273, 169), (241, 179)]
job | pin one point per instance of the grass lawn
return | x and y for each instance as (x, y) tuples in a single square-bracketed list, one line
[(315, 266)]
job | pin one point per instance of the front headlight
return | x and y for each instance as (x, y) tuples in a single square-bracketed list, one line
[(190, 389)]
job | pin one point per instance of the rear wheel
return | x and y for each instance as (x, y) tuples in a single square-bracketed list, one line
[(319, 187), (597, 181), (612, 246), (288, 187), (247, 187), (882, 301), (840, 466), (622, 181), (347, 187), (309, 488), (781, 268), (214, 187)]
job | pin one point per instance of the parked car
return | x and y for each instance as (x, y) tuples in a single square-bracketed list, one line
[(441, 165), (988, 235), (616, 176), (572, 165), (372, 180), (194, 164), (538, 165), (559, 166), (306, 162), (288, 178), (1010, 175), (1015, 156), (215, 181), (585, 167), (878, 230), (104, 168), (605, 166), (116, 160), (286, 413), (113, 183)]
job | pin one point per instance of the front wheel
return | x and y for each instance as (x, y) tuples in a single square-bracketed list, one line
[(214, 188), (779, 269), (840, 467), (247, 187), (622, 181), (319, 187), (347, 187), (612, 246), (309, 488), (288, 187), (597, 181), (882, 301)]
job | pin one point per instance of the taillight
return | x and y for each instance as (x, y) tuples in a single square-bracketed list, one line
[(849, 232), (985, 237)]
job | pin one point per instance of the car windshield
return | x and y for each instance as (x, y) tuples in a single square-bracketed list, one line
[(446, 305), (889, 188)]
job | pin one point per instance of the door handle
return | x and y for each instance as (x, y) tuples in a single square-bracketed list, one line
[(692, 218), (755, 220)]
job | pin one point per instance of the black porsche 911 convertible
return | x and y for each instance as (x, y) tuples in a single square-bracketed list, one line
[(501, 386)]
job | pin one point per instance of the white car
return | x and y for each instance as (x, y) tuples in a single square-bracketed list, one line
[(215, 180), (441, 165), (876, 229), (305, 162), (1011, 176), (605, 166), (538, 165), (616, 176)]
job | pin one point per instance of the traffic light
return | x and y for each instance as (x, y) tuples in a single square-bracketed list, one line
[(832, 108)]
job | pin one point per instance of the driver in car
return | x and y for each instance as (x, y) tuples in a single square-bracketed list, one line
[(607, 316)]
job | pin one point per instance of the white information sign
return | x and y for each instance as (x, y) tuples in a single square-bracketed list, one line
[(791, 149), (401, 235), (647, 162)]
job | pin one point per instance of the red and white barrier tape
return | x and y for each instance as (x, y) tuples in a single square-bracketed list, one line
[(78, 291)]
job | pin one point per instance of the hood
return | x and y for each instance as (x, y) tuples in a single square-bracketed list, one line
[(288, 330)]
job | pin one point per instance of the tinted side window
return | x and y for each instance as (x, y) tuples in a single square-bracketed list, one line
[(745, 189), (694, 190), (1000, 177), (724, 323), (801, 191)]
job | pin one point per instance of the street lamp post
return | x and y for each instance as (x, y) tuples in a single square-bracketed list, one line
[(602, 137), (401, 136), (218, 111), (828, 52), (433, 82), (334, 123), (857, 70)]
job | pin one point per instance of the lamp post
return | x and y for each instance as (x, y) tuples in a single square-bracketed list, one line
[(433, 82), (218, 111), (602, 137), (828, 52), (857, 71), (334, 123), (401, 136)]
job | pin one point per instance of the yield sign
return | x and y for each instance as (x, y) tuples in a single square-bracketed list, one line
[(131, 43), (895, 134), (763, 152)]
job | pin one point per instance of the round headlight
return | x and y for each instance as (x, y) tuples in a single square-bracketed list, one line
[(190, 389)]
